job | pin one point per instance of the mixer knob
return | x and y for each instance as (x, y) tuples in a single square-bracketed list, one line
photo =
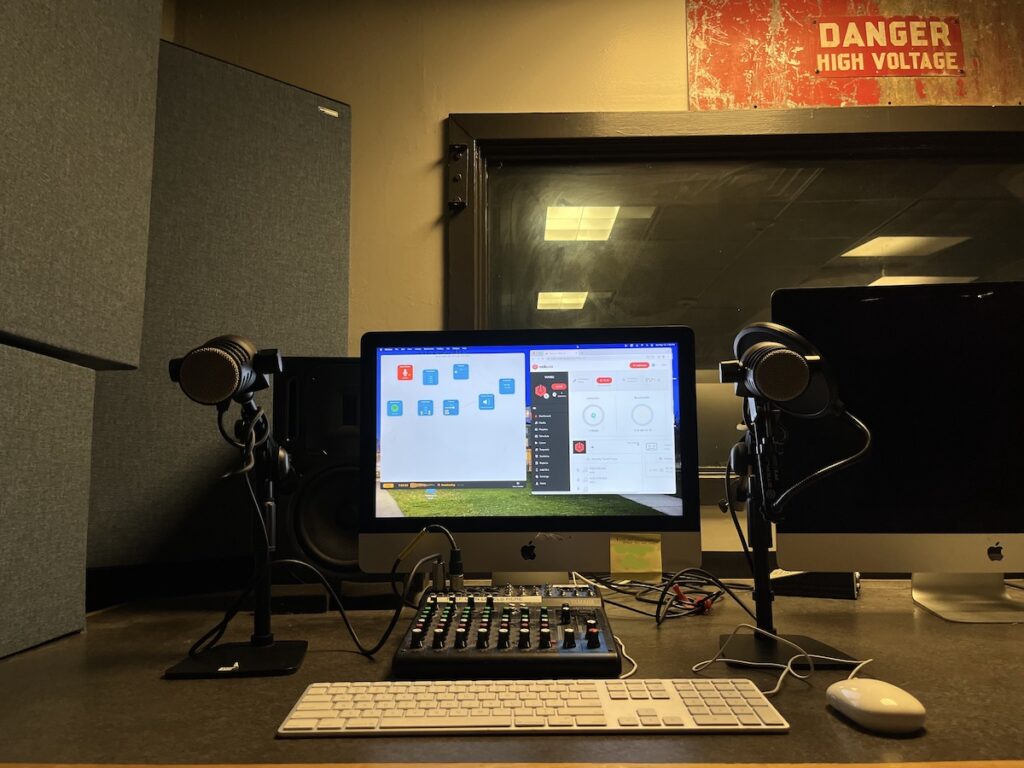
[(503, 638), (593, 638), (591, 623), (566, 614), (569, 638), (490, 601), (524, 612), (545, 638), (524, 638), (460, 638), (481, 638), (417, 639), (439, 638), (471, 601)]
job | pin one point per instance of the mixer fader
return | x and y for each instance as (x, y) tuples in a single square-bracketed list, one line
[(548, 631)]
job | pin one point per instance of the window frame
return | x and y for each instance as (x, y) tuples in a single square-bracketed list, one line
[(477, 141)]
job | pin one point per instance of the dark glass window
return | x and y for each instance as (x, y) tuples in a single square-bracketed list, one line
[(599, 239)]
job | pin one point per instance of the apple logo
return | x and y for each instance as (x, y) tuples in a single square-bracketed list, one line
[(995, 552), (528, 551)]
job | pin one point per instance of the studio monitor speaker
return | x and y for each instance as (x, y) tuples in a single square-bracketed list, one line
[(316, 418)]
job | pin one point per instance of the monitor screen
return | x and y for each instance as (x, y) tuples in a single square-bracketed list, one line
[(931, 370), (575, 430)]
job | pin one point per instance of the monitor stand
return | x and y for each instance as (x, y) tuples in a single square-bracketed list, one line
[(972, 598)]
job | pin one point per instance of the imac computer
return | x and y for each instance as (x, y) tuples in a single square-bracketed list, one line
[(539, 450), (934, 372)]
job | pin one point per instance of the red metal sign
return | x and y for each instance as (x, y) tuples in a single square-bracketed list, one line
[(888, 46)]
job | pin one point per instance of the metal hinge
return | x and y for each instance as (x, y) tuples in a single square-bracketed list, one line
[(458, 172)]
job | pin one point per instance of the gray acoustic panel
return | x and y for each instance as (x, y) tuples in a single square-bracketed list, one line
[(248, 235), (77, 105), (45, 444)]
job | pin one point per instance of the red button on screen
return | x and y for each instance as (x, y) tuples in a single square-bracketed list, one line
[(559, 386), (640, 364), (604, 379)]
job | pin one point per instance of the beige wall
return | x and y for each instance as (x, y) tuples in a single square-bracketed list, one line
[(404, 67)]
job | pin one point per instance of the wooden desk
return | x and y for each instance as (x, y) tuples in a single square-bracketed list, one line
[(98, 697)]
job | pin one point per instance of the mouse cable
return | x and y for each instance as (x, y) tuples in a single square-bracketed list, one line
[(787, 668), (627, 657)]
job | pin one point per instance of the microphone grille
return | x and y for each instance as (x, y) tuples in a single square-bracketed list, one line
[(209, 375), (781, 374)]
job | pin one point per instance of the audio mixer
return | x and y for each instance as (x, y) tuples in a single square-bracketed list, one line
[(522, 632)]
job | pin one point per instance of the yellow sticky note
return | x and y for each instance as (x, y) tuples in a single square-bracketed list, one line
[(636, 555)]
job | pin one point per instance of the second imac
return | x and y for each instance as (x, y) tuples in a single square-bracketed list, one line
[(539, 449), (931, 369)]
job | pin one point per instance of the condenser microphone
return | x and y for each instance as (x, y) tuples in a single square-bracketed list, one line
[(219, 370)]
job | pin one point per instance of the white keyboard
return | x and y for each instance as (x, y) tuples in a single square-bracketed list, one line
[(533, 706)]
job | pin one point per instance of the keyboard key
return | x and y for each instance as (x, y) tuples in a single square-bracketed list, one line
[(769, 716), (483, 721), (673, 720), (714, 720), (299, 725), (318, 713), (653, 720), (362, 723), (530, 720), (628, 720), (590, 720), (560, 721)]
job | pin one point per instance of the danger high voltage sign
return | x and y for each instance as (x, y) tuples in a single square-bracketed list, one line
[(888, 46)]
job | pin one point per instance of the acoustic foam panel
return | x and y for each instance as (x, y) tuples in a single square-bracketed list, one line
[(77, 105), (248, 234), (46, 413)]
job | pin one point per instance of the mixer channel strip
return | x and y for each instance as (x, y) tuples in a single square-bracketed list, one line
[(522, 632)]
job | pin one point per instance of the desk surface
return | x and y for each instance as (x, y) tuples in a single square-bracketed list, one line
[(98, 697)]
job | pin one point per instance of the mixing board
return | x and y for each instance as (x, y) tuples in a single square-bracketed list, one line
[(507, 632)]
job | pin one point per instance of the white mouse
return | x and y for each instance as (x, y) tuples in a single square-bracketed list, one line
[(876, 705)]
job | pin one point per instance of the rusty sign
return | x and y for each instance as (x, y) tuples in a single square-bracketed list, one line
[(893, 46), (744, 54)]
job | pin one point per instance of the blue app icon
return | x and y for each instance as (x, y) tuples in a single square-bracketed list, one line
[(425, 408), (486, 402), (451, 407), (460, 371), (430, 376), (507, 386), (394, 407)]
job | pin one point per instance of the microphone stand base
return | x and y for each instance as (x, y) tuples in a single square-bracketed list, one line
[(283, 657), (758, 649)]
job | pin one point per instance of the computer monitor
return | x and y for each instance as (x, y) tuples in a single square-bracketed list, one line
[(933, 370), (538, 449)]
